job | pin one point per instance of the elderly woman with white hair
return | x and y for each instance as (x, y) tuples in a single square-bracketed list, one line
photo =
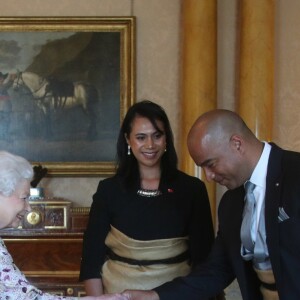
[(15, 176)]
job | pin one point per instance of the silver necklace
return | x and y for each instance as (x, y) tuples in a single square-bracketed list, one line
[(148, 193)]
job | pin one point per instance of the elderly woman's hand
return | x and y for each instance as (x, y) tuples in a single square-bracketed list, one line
[(140, 295), (107, 297)]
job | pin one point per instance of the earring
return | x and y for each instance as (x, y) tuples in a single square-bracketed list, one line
[(128, 150)]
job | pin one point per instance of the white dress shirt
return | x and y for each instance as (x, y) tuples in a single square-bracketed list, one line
[(258, 177)]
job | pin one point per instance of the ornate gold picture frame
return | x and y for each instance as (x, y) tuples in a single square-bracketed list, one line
[(65, 86)]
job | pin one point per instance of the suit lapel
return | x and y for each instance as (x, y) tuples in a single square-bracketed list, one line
[(272, 203)]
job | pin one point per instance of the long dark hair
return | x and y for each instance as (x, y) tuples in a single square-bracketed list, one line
[(127, 166)]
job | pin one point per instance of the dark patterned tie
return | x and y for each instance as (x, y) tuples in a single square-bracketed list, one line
[(248, 217)]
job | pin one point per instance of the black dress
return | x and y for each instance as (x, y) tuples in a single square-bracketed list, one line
[(181, 210)]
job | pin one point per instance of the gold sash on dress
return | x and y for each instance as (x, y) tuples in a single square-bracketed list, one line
[(267, 276), (118, 276)]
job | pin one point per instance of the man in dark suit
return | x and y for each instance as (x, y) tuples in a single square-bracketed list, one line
[(231, 155)]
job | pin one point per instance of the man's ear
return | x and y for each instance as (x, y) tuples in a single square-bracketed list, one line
[(236, 142)]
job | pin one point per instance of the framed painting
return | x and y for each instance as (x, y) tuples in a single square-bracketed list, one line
[(65, 86)]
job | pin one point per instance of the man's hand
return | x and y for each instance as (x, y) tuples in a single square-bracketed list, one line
[(140, 295)]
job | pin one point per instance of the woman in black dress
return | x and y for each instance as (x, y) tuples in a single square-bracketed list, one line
[(150, 222)]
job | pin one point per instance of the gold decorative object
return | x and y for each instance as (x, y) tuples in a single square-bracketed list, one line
[(34, 217)]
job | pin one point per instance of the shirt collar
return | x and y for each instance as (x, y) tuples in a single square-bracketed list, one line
[(259, 174)]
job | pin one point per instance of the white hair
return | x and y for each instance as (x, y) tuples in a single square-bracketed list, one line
[(13, 170)]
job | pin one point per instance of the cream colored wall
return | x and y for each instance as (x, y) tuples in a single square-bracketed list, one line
[(287, 84), (157, 61), (286, 126), (227, 20)]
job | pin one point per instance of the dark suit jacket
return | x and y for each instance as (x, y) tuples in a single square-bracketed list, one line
[(283, 240)]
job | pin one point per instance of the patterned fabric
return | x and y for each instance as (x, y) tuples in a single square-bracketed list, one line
[(118, 276), (14, 285)]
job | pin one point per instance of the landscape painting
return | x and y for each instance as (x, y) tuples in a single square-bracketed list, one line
[(65, 85)]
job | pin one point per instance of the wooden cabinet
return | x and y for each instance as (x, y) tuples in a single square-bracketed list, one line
[(48, 246)]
